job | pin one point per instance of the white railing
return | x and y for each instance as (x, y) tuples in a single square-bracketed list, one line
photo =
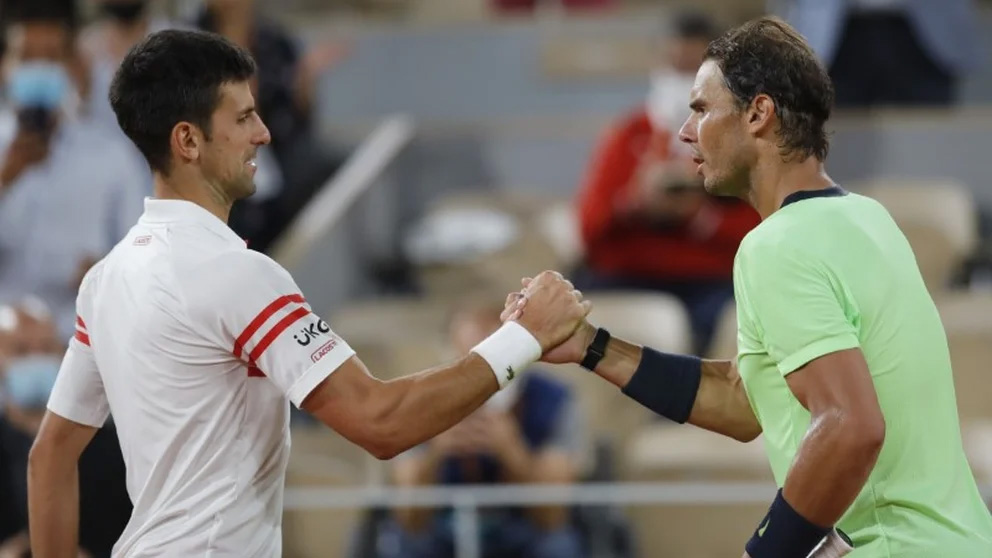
[(332, 202), (466, 500)]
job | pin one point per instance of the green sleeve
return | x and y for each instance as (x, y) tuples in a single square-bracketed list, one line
[(797, 305)]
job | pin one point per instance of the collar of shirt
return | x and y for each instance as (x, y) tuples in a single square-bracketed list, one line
[(182, 211)]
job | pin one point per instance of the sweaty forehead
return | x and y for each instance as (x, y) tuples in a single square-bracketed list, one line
[(235, 96), (709, 84)]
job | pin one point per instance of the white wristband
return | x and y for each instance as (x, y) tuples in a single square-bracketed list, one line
[(509, 350)]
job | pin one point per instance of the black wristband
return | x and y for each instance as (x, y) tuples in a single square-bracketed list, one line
[(596, 350), (666, 383), (784, 533)]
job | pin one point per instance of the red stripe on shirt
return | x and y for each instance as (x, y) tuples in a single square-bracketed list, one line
[(276, 330), (82, 338), (261, 318), (255, 372), (80, 323)]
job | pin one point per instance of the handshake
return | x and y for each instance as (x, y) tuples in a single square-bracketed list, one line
[(553, 311)]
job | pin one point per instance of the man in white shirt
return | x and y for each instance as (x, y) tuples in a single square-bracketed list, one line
[(194, 343)]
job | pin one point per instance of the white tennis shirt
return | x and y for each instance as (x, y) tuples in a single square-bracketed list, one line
[(195, 345)]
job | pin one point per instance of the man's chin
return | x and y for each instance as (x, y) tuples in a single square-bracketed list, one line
[(245, 190), (720, 188)]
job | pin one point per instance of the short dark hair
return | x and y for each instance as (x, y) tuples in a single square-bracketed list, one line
[(171, 77), (59, 12), (768, 56)]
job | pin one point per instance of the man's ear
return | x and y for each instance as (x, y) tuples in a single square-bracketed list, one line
[(761, 114), (186, 141)]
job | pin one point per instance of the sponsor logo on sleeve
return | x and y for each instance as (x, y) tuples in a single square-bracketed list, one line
[(311, 332), (323, 350)]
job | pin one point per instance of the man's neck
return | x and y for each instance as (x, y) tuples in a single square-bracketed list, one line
[(172, 188), (774, 180)]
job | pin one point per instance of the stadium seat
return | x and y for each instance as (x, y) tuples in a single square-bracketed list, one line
[(559, 226), (967, 318), (322, 458), (515, 249), (938, 217), (594, 56), (646, 318), (724, 343)]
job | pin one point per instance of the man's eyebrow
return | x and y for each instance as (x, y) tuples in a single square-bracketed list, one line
[(247, 111)]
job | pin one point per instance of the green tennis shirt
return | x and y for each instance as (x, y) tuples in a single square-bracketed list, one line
[(829, 271)]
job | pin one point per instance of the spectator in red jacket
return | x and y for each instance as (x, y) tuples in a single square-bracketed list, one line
[(646, 221)]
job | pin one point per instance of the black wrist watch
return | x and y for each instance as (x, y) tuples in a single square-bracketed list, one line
[(596, 350)]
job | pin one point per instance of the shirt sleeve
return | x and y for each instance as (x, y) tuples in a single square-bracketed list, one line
[(78, 394), (798, 307), (253, 306)]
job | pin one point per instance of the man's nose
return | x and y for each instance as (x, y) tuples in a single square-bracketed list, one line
[(263, 137), (686, 131)]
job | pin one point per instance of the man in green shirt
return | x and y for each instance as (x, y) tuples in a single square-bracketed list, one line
[(843, 362)]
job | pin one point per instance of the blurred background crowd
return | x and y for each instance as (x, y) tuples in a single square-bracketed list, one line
[(425, 155)]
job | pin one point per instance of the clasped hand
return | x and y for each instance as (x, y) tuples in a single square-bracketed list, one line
[(553, 310)]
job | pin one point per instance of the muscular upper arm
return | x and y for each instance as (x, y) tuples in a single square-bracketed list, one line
[(838, 382), (60, 440), (349, 401)]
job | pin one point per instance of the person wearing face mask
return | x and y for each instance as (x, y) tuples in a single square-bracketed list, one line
[(531, 432), (29, 362), (645, 220), (69, 189), (30, 357)]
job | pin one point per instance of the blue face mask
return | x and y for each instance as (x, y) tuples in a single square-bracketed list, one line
[(28, 381), (38, 85)]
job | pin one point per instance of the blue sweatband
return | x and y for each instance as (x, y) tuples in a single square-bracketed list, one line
[(784, 533), (666, 383)]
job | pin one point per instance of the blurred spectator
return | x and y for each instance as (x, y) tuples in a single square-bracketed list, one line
[(120, 25), (531, 432), (30, 357), (889, 52), (646, 221), (68, 190), (294, 165)]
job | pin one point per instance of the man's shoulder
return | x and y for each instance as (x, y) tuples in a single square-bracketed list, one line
[(92, 276), (774, 246), (234, 267), (770, 236)]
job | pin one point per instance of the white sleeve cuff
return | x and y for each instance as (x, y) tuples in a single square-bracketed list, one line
[(319, 372), (89, 416)]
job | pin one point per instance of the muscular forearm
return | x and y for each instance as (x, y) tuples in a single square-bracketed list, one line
[(721, 403), (53, 506), (412, 409), (833, 463)]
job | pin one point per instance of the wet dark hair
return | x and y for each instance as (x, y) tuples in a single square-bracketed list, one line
[(171, 77), (768, 56)]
